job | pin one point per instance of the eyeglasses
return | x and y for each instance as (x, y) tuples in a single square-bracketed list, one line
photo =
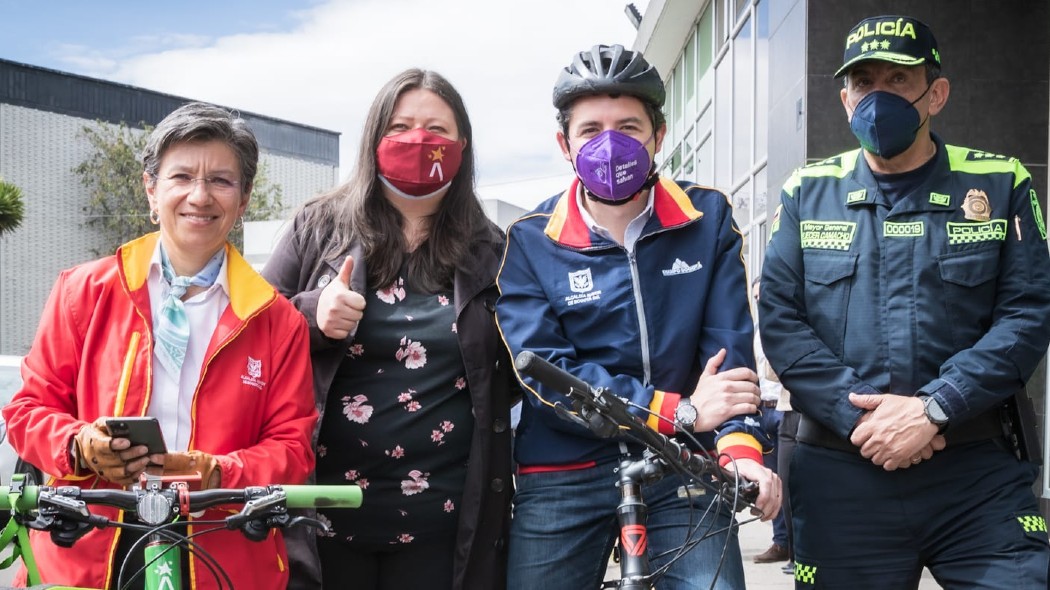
[(217, 184)]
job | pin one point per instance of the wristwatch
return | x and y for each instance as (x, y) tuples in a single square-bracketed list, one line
[(685, 415), (935, 413)]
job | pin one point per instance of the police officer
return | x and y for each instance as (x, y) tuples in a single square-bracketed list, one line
[(906, 297)]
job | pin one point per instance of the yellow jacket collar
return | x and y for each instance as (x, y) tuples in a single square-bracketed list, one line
[(248, 291)]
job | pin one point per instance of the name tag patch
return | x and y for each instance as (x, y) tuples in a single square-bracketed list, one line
[(911, 229), (969, 233), (827, 235)]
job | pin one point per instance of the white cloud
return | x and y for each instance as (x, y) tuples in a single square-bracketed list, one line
[(325, 69)]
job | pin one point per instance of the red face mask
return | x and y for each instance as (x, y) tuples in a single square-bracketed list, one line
[(418, 163)]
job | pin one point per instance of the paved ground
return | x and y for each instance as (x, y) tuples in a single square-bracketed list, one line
[(755, 538)]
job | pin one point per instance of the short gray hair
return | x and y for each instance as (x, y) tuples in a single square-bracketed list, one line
[(198, 121)]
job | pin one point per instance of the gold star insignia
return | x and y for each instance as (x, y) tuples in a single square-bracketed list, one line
[(886, 44), (864, 47), (438, 154)]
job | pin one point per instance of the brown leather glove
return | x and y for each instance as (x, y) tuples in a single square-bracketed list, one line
[(193, 462), (94, 451)]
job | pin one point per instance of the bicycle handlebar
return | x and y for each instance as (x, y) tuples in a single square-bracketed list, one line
[(296, 496), (604, 413)]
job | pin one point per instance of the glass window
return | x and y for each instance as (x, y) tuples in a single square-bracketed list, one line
[(759, 237), (761, 80), (704, 55), (761, 193), (669, 112), (679, 107), (742, 206), (690, 70), (676, 160), (722, 23), (743, 84), (741, 7), (688, 158), (705, 164), (724, 122)]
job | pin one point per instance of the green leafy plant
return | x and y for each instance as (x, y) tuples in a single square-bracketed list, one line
[(117, 206), (11, 207)]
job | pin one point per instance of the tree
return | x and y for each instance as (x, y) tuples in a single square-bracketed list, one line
[(11, 207), (117, 205)]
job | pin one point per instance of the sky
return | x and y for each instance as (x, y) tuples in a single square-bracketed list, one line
[(321, 62)]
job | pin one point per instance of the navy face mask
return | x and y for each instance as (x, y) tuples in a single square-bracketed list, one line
[(885, 123)]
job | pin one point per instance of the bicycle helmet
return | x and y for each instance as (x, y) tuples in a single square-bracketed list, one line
[(609, 69)]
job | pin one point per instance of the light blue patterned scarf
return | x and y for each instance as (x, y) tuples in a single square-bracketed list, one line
[(171, 328)]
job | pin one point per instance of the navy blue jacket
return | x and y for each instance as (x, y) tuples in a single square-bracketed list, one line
[(944, 293), (642, 324)]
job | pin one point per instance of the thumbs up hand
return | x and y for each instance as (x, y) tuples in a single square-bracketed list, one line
[(339, 308), (720, 396)]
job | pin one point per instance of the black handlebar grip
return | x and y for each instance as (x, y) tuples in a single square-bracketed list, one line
[(539, 369)]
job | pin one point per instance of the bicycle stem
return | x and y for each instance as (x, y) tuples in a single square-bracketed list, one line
[(632, 514)]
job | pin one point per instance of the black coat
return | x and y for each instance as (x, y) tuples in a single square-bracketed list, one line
[(298, 272)]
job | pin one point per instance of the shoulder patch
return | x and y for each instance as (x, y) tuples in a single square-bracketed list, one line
[(832, 161), (979, 156), (1037, 212)]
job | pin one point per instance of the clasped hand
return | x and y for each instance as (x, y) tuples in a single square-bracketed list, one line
[(894, 431), (720, 396)]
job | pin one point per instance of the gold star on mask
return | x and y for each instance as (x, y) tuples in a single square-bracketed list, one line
[(438, 154)]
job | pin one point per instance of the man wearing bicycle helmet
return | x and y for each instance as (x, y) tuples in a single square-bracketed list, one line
[(635, 283)]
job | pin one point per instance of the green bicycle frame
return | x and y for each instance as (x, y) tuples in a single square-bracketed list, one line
[(163, 565)]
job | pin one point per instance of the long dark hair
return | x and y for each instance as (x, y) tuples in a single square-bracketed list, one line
[(358, 210)]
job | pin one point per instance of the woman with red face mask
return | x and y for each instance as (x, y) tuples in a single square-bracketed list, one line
[(395, 272)]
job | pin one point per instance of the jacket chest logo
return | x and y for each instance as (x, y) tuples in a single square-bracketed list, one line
[(969, 233), (681, 267), (976, 206), (582, 284), (580, 281), (254, 374)]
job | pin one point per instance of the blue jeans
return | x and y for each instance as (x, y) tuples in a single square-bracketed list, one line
[(564, 527)]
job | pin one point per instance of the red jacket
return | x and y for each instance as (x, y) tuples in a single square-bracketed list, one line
[(93, 356)]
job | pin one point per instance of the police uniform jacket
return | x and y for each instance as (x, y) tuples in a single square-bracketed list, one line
[(945, 292)]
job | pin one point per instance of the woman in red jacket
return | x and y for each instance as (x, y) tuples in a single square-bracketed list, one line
[(175, 325)]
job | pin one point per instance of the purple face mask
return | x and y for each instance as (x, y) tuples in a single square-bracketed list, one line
[(613, 166)]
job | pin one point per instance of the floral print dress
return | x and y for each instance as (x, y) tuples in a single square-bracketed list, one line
[(398, 422)]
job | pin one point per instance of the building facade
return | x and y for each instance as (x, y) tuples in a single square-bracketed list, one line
[(751, 94), (42, 113)]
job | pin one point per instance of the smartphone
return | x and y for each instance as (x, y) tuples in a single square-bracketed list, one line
[(140, 430)]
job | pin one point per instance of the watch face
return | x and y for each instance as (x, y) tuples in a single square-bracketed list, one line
[(685, 414), (934, 411)]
